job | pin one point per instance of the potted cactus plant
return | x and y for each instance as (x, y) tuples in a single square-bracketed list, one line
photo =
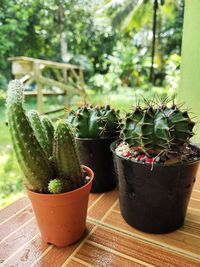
[(57, 185), (96, 128), (156, 167)]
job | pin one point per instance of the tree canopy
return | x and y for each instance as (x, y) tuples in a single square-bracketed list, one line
[(111, 38)]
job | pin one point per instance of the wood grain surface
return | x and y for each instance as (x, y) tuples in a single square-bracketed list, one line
[(108, 239)]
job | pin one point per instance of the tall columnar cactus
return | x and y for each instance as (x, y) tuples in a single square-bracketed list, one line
[(65, 154), (46, 169), (154, 129), (95, 122), (30, 154)]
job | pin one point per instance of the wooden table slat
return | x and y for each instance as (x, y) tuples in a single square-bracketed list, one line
[(110, 241)]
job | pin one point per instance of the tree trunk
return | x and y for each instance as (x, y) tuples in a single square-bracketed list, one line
[(65, 55), (155, 8)]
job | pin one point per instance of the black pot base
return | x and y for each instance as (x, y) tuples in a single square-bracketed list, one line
[(154, 200), (96, 154), (151, 227), (144, 229)]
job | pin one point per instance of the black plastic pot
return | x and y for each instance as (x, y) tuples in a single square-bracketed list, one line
[(96, 154), (154, 201)]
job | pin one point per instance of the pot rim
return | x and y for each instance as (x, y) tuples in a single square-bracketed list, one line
[(97, 139), (89, 172), (157, 165)]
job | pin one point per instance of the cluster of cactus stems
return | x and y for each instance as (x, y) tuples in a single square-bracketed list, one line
[(47, 156), (95, 122), (157, 128)]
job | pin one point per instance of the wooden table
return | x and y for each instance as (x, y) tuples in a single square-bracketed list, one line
[(109, 241)]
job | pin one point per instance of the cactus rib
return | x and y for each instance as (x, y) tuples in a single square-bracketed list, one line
[(95, 122), (65, 154), (40, 131), (155, 129)]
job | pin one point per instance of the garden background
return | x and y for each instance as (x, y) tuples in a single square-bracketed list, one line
[(127, 48)]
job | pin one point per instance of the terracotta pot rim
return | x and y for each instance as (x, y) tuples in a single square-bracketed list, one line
[(89, 172)]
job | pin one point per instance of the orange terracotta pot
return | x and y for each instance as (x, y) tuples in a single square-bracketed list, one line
[(62, 217)]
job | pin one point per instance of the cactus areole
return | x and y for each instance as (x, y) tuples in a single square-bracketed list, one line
[(43, 153)]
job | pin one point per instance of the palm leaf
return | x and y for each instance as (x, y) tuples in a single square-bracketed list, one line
[(142, 15), (121, 15)]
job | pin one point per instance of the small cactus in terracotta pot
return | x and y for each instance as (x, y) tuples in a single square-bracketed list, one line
[(50, 163), (96, 128)]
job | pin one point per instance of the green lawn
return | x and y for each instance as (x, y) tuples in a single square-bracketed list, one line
[(10, 175), (11, 186)]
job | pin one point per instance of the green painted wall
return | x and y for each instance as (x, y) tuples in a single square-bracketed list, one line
[(189, 90)]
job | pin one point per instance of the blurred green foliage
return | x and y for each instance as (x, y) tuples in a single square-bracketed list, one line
[(110, 39), (107, 37)]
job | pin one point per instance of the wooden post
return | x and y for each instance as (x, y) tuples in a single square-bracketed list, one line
[(64, 71), (37, 76), (81, 78), (189, 91), (69, 78)]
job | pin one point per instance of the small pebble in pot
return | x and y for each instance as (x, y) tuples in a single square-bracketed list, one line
[(149, 160), (157, 159), (127, 154), (140, 157)]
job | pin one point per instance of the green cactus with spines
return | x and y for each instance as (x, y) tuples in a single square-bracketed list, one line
[(49, 128), (154, 129), (30, 154), (95, 122), (57, 186), (110, 116), (181, 125), (40, 131), (30, 136), (65, 154), (131, 131)]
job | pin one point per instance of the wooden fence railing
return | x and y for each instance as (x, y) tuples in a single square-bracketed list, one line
[(50, 79)]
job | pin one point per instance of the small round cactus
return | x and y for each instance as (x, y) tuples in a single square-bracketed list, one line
[(154, 129), (95, 122), (57, 186)]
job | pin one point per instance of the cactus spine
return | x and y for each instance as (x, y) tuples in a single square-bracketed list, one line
[(95, 122), (158, 128), (30, 154)]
